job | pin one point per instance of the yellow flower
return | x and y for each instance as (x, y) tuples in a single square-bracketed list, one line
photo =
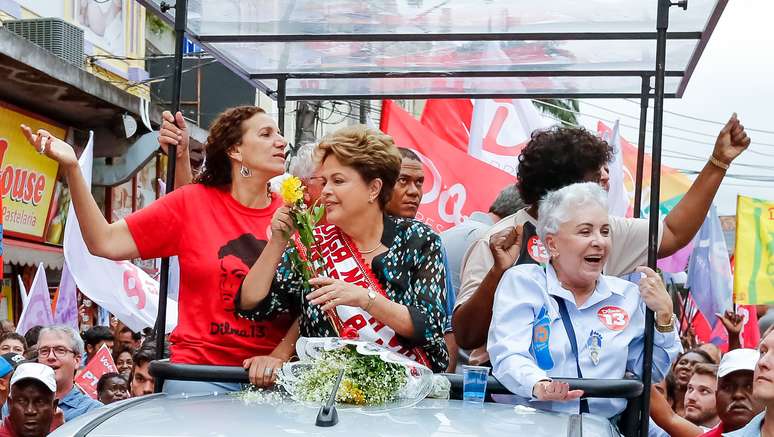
[(352, 393), (291, 190)]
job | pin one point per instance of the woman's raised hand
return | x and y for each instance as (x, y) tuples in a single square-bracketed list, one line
[(555, 391), (334, 292), (654, 294), (51, 146), (282, 226)]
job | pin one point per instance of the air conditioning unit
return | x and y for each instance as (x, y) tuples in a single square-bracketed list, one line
[(59, 37)]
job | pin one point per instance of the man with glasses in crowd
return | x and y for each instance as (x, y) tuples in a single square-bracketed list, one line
[(61, 348)]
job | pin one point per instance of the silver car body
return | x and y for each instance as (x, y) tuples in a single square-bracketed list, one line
[(229, 415)]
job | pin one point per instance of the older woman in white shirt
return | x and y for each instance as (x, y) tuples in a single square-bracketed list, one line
[(528, 341)]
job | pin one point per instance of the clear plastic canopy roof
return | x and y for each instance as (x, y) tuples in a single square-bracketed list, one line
[(361, 49)]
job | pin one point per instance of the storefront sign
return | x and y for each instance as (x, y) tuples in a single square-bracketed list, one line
[(27, 178)]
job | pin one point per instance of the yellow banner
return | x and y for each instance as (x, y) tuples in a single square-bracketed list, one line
[(754, 255), (27, 179)]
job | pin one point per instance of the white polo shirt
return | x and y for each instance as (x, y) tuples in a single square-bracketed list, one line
[(609, 329)]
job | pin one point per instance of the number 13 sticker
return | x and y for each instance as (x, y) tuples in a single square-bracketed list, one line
[(613, 318)]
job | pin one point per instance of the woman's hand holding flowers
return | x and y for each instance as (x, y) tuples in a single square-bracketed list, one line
[(282, 226)]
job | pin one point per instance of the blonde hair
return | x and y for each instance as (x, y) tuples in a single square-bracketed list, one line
[(369, 152)]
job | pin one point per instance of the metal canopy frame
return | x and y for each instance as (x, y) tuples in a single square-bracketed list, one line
[(656, 92)]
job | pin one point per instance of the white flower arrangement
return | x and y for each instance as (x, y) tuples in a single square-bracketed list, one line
[(374, 377)]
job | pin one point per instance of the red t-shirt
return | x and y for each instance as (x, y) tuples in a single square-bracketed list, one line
[(714, 432), (217, 240)]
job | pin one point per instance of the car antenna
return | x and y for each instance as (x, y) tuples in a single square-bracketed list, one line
[(327, 416)]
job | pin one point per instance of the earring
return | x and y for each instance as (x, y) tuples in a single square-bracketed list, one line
[(371, 200), (244, 171)]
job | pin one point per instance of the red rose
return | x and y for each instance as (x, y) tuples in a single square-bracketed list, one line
[(349, 333)]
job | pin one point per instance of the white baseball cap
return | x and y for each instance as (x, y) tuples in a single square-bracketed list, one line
[(738, 359), (37, 371)]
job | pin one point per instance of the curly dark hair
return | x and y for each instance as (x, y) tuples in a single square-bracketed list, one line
[(557, 157), (225, 132)]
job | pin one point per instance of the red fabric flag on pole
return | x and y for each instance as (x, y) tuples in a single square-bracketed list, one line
[(450, 120), (100, 364), (456, 184)]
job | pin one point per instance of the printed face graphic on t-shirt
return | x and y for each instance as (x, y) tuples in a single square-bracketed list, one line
[(236, 258), (232, 272)]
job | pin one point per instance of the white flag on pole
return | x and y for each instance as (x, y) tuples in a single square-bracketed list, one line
[(38, 309), (119, 286), (499, 130), (617, 196), (67, 300), (23, 291)]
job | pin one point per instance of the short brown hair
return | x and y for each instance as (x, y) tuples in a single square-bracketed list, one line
[(368, 151), (706, 369), (225, 132)]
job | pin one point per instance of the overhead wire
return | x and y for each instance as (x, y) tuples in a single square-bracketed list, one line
[(757, 178), (694, 118), (676, 137)]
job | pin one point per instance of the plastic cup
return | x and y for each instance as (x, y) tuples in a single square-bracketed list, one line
[(474, 383)]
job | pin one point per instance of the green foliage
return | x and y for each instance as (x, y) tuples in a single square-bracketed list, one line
[(562, 109)]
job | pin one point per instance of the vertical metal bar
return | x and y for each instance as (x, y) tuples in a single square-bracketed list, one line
[(645, 91), (281, 99), (662, 22), (364, 104), (181, 15)]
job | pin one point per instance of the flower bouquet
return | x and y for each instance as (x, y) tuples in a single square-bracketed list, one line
[(375, 379), (305, 219)]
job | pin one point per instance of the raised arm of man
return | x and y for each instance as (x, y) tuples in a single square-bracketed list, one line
[(472, 316)]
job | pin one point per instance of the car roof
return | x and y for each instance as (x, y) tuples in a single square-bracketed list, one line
[(231, 415)]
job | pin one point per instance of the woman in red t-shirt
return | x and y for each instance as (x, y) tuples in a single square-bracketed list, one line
[(217, 227)]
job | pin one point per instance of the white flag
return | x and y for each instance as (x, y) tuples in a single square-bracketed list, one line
[(119, 286), (500, 128), (23, 291), (617, 196), (67, 300), (38, 309)]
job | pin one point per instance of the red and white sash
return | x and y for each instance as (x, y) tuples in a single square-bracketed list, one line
[(343, 261)]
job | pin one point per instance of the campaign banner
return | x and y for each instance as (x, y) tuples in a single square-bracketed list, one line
[(500, 129), (88, 377), (754, 255), (456, 184), (27, 178)]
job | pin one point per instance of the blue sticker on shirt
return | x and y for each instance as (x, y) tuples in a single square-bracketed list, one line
[(594, 345), (541, 332)]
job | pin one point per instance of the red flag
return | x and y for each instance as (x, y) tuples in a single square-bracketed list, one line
[(456, 184), (751, 335), (450, 120), (100, 364)]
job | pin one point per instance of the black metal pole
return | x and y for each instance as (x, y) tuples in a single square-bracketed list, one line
[(281, 99), (364, 104), (662, 23), (181, 13), (641, 146)]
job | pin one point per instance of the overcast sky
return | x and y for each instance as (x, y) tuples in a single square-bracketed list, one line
[(735, 73)]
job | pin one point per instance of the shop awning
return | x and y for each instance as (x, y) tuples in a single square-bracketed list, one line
[(25, 253), (447, 48)]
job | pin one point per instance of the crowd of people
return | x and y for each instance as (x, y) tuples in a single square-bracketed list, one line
[(545, 284), (38, 374)]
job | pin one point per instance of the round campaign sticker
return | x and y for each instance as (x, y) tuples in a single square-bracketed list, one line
[(536, 250), (613, 318)]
